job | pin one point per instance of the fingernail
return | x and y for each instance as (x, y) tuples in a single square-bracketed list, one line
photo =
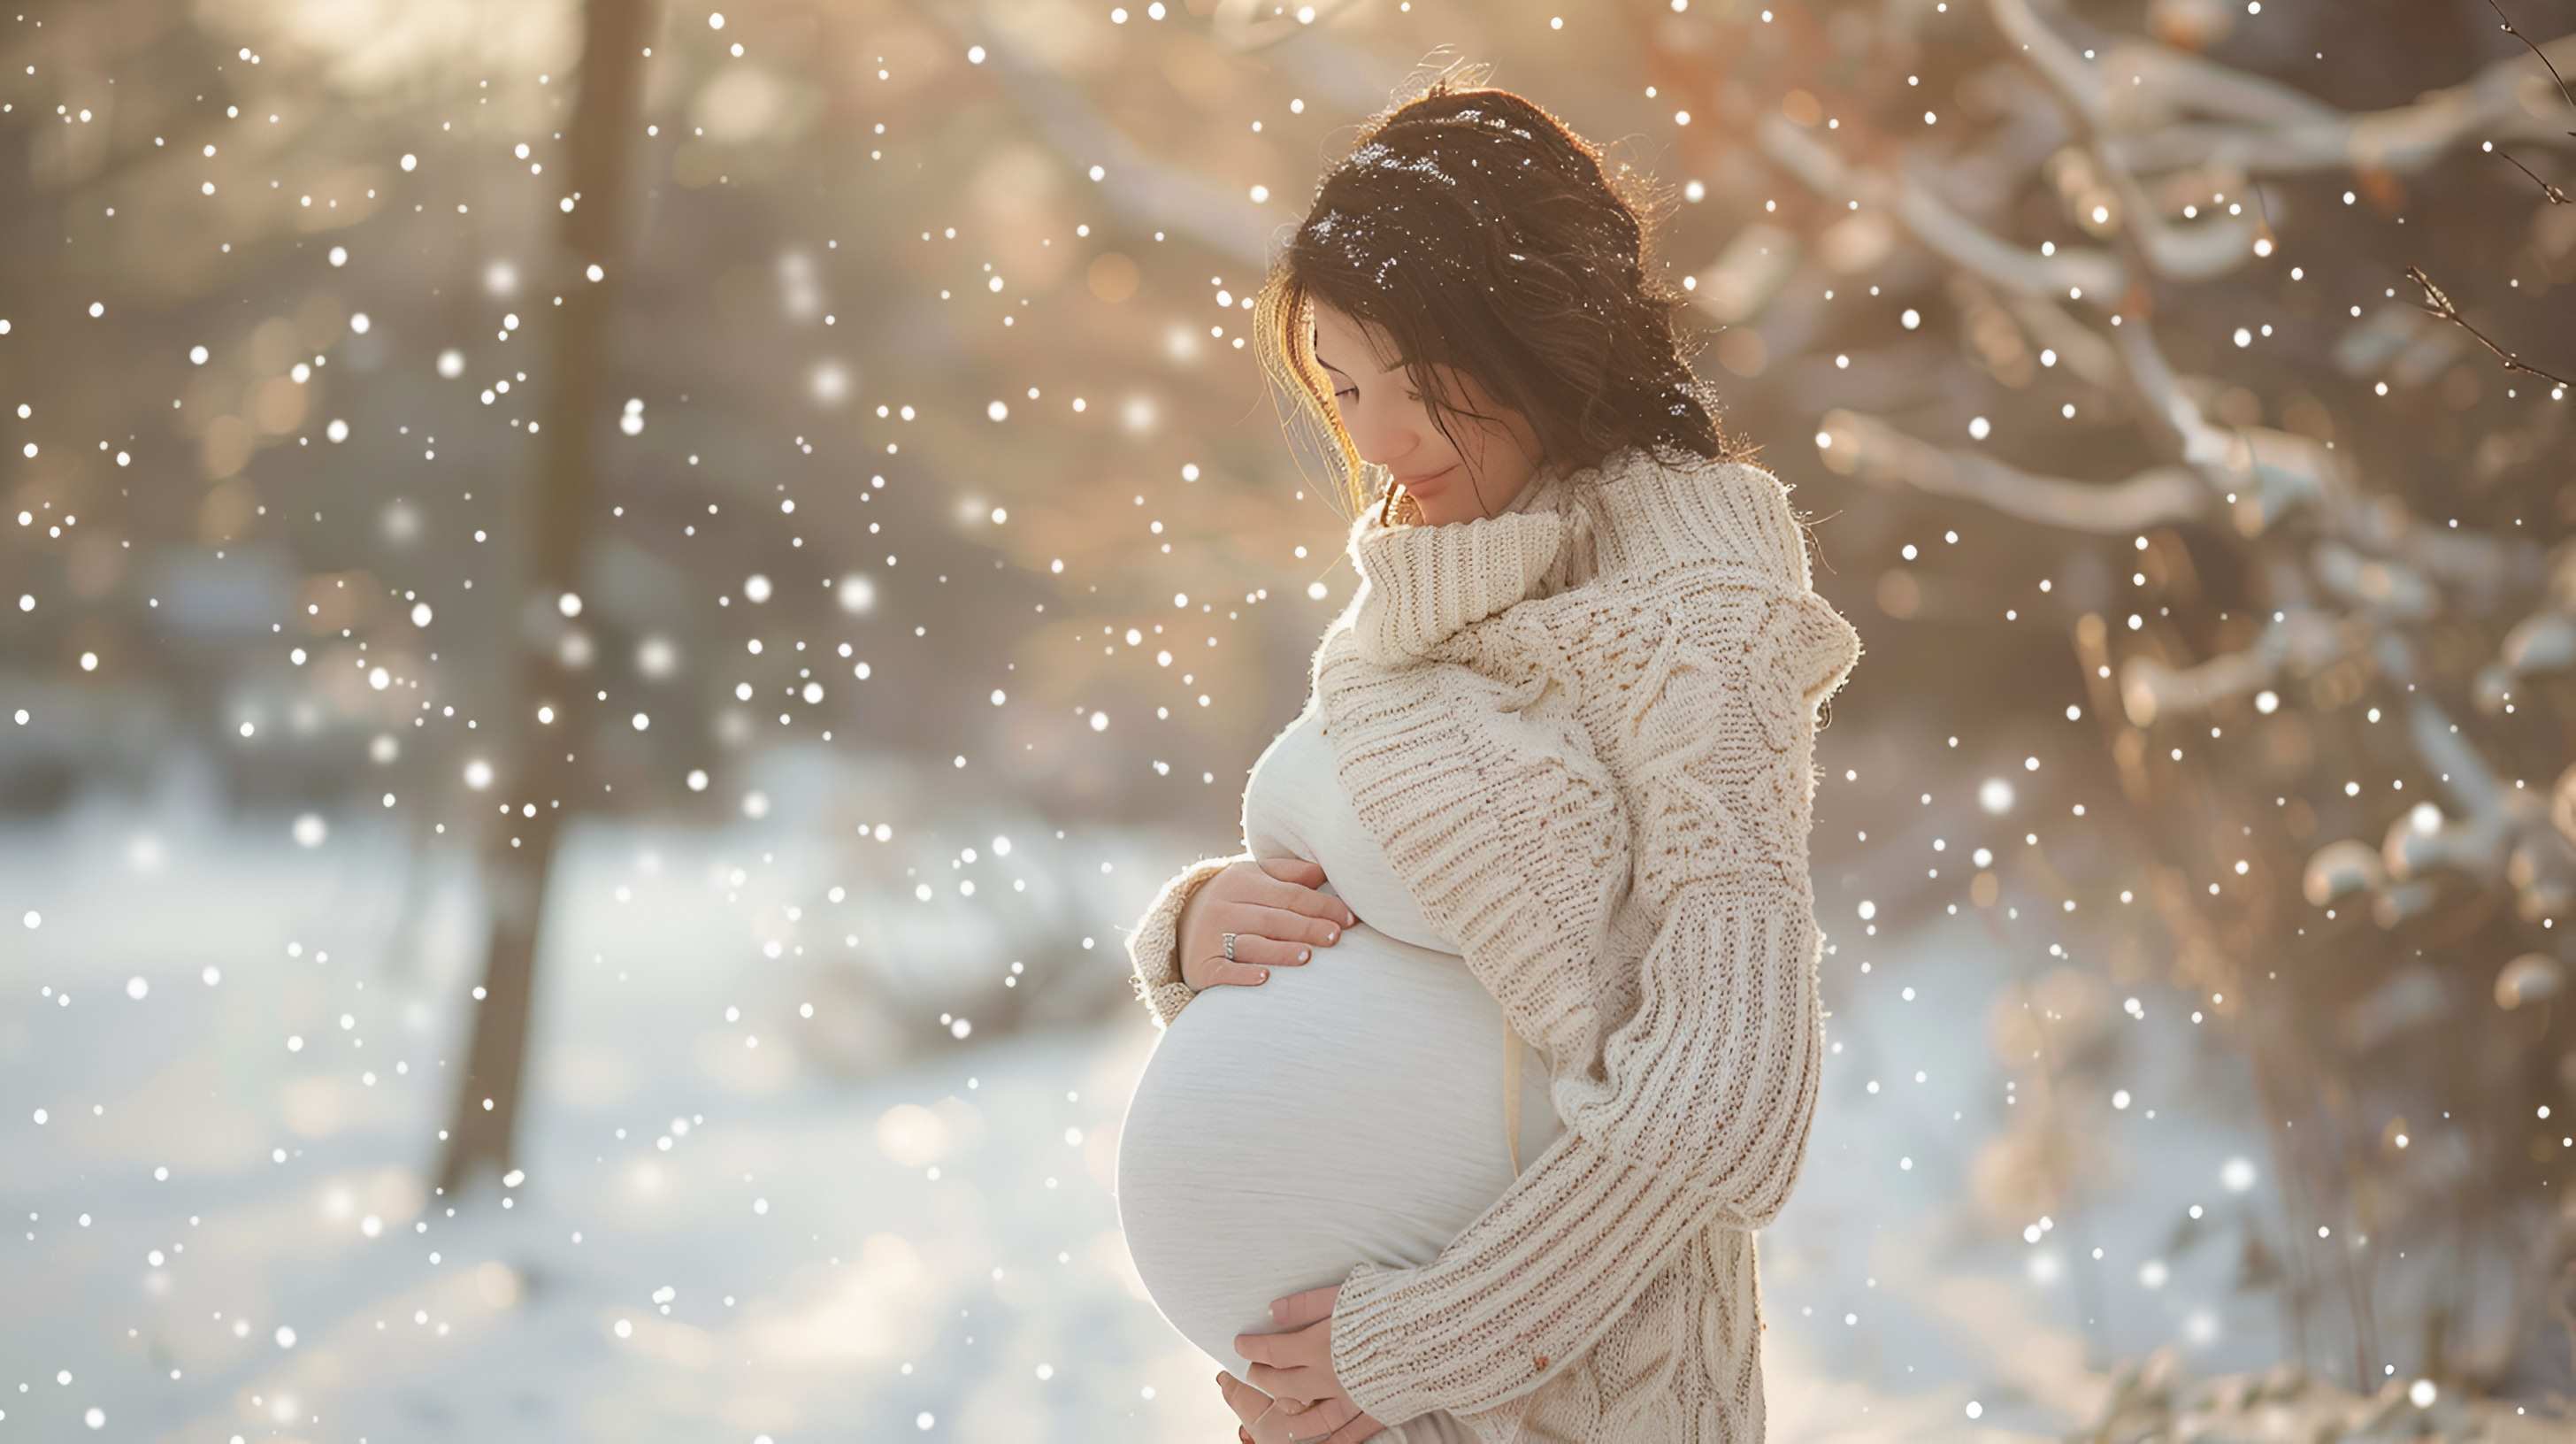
[(1265, 975), (1305, 953), (1332, 935)]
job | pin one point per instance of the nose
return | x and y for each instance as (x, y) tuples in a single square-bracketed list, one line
[(1394, 449), (1383, 441)]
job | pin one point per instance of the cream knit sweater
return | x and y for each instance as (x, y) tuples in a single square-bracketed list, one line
[(1584, 732)]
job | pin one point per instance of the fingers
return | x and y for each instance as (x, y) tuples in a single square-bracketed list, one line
[(1284, 1386), (1327, 1421), (1278, 919), (1315, 919), (1290, 938), (1336, 1421), (1270, 950), (1303, 915), (1294, 869), (1297, 894), (1256, 953), (1309, 1306), (1247, 1402), (1222, 974), (1317, 904), (1254, 957)]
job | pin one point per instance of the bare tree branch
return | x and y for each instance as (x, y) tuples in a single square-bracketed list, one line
[(2557, 196), (2536, 50), (2438, 304)]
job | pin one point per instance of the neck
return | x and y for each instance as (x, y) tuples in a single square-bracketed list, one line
[(1633, 514)]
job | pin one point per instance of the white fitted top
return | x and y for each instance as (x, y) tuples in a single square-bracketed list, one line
[(1352, 1110)]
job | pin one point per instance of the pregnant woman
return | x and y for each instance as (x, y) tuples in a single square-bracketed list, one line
[(1484, 1060)]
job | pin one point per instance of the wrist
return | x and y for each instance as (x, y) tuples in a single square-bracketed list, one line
[(1156, 950), (1183, 926)]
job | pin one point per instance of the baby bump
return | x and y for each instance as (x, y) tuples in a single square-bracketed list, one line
[(1346, 1112)]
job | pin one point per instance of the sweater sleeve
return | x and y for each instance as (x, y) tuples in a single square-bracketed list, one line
[(1153, 948), (1701, 1109)]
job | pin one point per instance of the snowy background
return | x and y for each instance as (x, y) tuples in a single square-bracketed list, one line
[(764, 517), (233, 1062)]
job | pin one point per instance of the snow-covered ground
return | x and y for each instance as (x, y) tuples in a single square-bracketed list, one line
[(221, 1084)]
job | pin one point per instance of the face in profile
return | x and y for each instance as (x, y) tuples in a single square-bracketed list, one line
[(1477, 476)]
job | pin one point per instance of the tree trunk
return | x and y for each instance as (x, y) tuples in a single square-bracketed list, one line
[(546, 774)]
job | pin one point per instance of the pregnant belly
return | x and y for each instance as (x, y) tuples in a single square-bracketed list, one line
[(1346, 1112)]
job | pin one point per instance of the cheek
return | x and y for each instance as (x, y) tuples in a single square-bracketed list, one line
[(1478, 399)]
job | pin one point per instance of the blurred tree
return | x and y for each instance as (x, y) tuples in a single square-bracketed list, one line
[(2066, 245), (554, 640)]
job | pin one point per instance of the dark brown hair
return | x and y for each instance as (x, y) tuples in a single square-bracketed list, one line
[(1480, 233)]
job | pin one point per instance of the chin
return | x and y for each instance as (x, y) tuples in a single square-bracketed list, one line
[(1450, 505), (1449, 502)]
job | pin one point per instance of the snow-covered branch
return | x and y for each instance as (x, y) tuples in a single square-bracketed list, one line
[(2138, 93), (1949, 234), (1869, 448)]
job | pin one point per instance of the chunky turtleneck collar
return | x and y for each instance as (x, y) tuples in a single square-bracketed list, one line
[(1634, 513)]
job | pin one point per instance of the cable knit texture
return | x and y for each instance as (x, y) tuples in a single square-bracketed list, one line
[(1584, 732), (1153, 946)]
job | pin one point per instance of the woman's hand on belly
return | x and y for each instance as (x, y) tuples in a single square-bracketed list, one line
[(1292, 1391), (1278, 912), (1267, 1420)]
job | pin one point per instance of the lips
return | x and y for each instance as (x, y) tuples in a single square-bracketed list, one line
[(1433, 480)]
